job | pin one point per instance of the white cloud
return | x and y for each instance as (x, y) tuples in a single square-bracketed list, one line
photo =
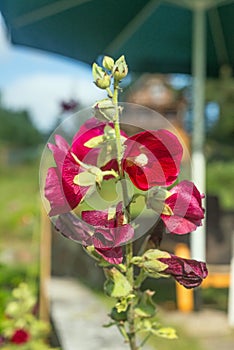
[(41, 94)]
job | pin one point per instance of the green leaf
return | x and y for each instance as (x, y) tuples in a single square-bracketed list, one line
[(123, 304), (146, 307), (116, 285), (118, 316), (165, 332)]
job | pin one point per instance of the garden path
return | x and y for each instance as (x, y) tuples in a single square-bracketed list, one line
[(78, 316)]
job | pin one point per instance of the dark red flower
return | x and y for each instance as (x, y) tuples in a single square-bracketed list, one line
[(189, 273), (60, 189), (152, 158), (105, 234), (185, 203), (110, 233), (20, 336)]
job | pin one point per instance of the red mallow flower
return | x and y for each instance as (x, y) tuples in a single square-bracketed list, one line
[(60, 189), (20, 336), (152, 158), (186, 207), (105, 234), (189, 273)]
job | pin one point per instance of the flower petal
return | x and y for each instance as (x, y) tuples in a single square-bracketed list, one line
[(55, 194), (152, 158), (74, 228), (185, 203), (112, 255)]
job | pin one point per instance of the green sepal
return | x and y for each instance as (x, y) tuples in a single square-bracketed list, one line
[(150, 264), (165, 332), (118, 316), (95, 142), (84, 179), (116, 285), (108, 62), (145, 308), (120, 69), (105, 110), (123, 304)]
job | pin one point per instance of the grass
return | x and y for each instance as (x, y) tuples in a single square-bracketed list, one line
[(19, 201)]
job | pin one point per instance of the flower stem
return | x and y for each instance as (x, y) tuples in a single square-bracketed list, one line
[(126, 204)]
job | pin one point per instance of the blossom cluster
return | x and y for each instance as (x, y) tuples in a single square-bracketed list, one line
[(151, 161)]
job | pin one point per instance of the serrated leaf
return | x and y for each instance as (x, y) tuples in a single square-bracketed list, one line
[(116, 285)]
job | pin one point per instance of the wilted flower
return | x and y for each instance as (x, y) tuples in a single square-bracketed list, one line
[(189, 273), (156, 263), (105, 230), (113, 232)]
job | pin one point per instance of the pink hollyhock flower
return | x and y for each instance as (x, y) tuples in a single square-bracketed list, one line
[(189, 273), (20, 336), (152, 158), (186, 208)]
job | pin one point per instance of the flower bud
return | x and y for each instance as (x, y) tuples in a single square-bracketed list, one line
[(108, 63), (120, 69), (156, 201), (105, 110), (101, 78)]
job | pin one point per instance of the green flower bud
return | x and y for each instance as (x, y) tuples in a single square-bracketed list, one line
[(101, 78), (120, 69), (108, 63), (105, 110)]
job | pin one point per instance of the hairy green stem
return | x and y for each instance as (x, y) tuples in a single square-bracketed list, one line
[(129, 247)]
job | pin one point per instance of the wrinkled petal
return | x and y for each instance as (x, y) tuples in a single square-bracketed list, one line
[(185, 202), (152, 158), (55, 194), (71, 227), (112, 255), (109, 235), (59, 150), (189, 273), (74, 228)]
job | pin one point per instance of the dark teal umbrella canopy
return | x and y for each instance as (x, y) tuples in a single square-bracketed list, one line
[(155, 36)]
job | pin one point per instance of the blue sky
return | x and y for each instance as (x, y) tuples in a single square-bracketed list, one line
[(38, 81)]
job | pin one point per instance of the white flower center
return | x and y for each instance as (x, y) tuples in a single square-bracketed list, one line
[(141, 160)]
